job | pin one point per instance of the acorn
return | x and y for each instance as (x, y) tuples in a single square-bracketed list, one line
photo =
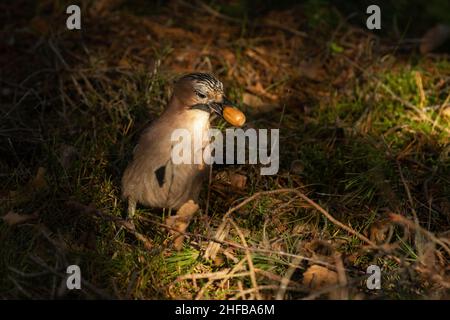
[(234, 116)]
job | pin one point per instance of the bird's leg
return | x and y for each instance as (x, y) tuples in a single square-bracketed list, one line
[(131, 207)]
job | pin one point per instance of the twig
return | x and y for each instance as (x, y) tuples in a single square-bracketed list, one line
[(309, 201), (275, 277), (195, 276), (417, 237), (249, 260), (20, 288), (221, 275), (342, 277), (199, 295), (402, 220), (287, 278), (266, 287), (327, 289), (213, 247), (419, 83), (236, 245), (238, 266), (408, 193)]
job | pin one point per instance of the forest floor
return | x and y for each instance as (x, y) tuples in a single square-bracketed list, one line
[(364, 174)]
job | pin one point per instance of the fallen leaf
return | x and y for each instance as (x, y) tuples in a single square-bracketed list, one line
[(38, 182), (317, 277), (379, 231), (257, 103), (434, 38), (180, 222), (259, 90), (446, 112), (124, 63), (238, 181), (13, 218), (218, 260), (312, 70), (257, 57)]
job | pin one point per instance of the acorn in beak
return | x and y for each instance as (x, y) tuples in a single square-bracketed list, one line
[(229, 112)]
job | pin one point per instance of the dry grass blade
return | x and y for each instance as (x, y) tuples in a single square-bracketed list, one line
[(249, 260), (419, 83), (214, 245), (342, 277), (237, 267), (441, 109), (287, 278)]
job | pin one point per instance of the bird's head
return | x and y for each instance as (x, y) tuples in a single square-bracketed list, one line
[(202, 91)]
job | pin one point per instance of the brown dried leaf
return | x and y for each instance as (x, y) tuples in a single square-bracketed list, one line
[(446, 112), (258, 57), (12, 218), (312, 70), (317, 277), (379, 231), (259, 90), (181, 221), (163, 32), (257, 103), (434, 38), (124, 63), (39, 182), (238, 181)]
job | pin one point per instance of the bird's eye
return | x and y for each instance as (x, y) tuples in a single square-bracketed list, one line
[(201, 95)]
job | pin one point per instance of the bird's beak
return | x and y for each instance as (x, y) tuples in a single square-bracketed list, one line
[(218, 107)]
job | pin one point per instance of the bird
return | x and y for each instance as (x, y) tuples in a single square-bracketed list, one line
[(152, 178)]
